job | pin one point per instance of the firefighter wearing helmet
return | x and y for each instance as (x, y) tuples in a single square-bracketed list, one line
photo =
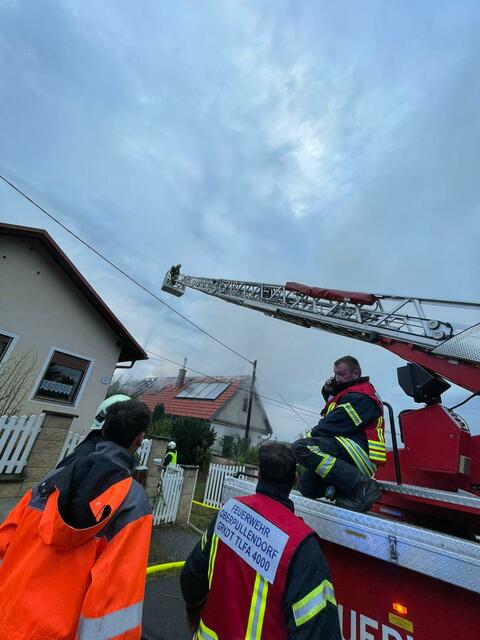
[(95, 436), (171, 455)]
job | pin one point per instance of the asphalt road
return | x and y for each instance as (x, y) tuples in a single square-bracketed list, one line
[(164, 611)]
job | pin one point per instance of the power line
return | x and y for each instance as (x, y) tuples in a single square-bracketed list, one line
[(215, 379), (117, 268), (158, 299), (285, 401)]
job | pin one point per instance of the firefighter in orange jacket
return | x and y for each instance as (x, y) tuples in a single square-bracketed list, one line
[(342, 453), (259, 573), (74, 550)]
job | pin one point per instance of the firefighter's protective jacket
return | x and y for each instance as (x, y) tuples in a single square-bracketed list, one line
[(236, 602), (170, 458), (354, 412), (85, 448), (74, 551)]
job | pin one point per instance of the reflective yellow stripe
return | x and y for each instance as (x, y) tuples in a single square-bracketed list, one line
[(352, 413), (315, 449), (313, 603), (376, 444), (204, 633), (377, 451), (326, 461), (204, 540), (325, 465), (331, 407), (211, 562), (353, 454), (358, 455), (257, 609), (380, 434)]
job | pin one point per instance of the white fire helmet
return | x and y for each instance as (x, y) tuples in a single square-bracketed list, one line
[(172, 445), (102, 409)]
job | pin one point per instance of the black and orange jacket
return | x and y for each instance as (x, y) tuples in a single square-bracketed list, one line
[(74, 551), (85, 448)]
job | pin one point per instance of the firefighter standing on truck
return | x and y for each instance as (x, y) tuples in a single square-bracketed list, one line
[(342, 452), (258, 572)]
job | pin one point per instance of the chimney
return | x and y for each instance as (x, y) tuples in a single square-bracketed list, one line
[(181, 375)]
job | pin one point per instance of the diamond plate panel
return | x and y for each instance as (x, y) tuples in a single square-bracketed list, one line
[(432, 494), (446, 558), (464, 346)]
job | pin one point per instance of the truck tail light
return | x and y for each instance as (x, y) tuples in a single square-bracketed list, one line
[(400, 608)]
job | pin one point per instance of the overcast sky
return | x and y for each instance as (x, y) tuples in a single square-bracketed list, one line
[(335, 144)]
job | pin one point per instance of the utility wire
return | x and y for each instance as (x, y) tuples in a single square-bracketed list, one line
[(117, 268), (215, 379), (158, 299), (285, 401)]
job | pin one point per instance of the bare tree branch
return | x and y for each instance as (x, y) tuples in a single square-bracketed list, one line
[(16, 379)]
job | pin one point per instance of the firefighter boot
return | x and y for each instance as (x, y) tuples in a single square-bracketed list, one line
[(365, 493)]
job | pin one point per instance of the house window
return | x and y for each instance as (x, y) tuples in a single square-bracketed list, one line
[(62, 379), (5, 342), (245, 405)]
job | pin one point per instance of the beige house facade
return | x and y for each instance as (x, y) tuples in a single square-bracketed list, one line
[(56, 333)]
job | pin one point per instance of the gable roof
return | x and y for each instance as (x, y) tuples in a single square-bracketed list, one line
[(130, 349), (165, 390)]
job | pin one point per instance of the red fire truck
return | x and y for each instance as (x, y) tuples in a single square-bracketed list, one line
[(410, 568)]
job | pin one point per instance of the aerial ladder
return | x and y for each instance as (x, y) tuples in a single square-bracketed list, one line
[(421, 542)]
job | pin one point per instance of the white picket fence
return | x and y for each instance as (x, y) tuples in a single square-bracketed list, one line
[(168, 496), (70, 443), (17, 435), (143, 451), (73, 439), (216, 477)]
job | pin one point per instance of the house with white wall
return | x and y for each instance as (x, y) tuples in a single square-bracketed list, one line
[(221, 400), (55, 330)]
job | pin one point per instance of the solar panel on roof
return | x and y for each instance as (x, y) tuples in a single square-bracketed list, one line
[(215, 390), (203, 390)]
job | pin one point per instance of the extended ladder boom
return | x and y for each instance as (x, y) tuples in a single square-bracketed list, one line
[(403, 325)]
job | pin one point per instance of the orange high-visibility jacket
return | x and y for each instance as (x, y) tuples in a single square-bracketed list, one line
[(60, 580)]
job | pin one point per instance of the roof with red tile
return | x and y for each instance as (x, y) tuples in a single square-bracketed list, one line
[(192, 407)]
